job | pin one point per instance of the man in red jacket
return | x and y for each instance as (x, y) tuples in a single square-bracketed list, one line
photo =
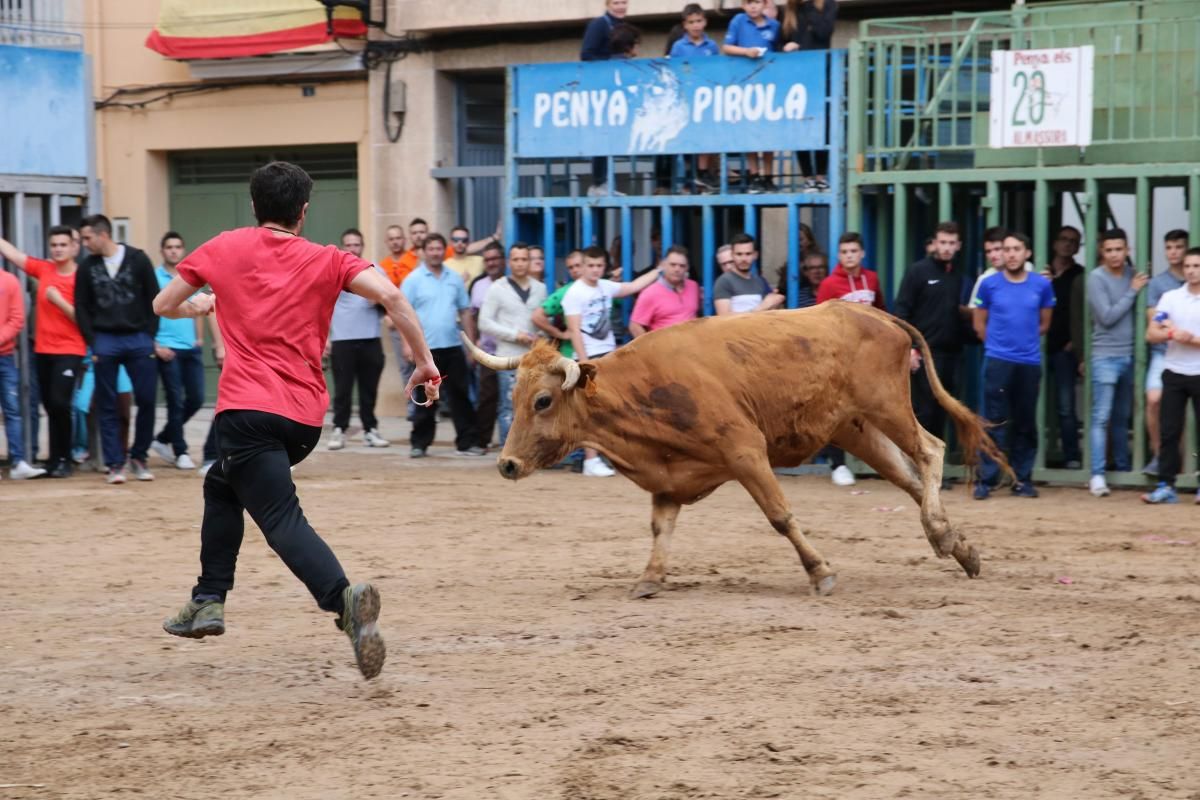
[(850, 281)]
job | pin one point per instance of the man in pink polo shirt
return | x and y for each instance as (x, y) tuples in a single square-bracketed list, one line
[(670, 300)]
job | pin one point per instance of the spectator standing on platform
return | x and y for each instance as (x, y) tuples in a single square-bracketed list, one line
[(59, 348), (487, 380), (356, 355), (672, 299), (808, 25), (752, 34), (1176, 323), (461, 260), (694, 44), (597, 47), (1112, 291), (1176, 244), (506, 318), (180, 364), (740, 291), (587, 306), (114, 291), (930, 298), (441, 303), (1065, 341), (1012, 313)]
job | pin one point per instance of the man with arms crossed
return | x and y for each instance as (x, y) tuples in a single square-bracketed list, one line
[(276, 291)]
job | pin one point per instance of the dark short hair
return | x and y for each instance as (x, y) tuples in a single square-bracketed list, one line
[(949, 227), (490, 246), (98, 223), (1194, 251), (595, 251), (168, 236), (351, 232), (433, 237), (623, 39), (678, 250), (1176, 235), (462, 228), (850, 237), (995, 234), (691, 9), (1020, 237), (1113, 234), (1059, 232), (418, 221), (537, 247), (60, 230), (517, 246), (279, 191), (742, 238)]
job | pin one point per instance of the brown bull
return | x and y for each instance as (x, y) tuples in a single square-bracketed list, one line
[(685, 409)]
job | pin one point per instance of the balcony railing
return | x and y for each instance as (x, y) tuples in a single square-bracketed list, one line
[(41, 23), (924, 84)]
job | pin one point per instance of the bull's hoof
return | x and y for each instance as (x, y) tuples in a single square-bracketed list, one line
[(645, 589), (825, 585), (969, 561)]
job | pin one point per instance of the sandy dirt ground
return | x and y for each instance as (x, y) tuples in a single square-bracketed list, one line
[(519, 669)]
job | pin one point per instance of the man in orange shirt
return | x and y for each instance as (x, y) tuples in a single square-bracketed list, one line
[(417, 229), (394, 236)]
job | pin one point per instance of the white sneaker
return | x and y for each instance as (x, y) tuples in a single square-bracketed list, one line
[(163, 451), (204, 469), (373, 439), (185, 462), (140, 470), (596, 468), (842, 476), (337, 440), (22, 471), (1098, 486)]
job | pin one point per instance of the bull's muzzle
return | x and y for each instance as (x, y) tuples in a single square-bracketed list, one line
[(509, 468)]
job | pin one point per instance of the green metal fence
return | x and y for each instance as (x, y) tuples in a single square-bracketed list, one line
[(918, 151)]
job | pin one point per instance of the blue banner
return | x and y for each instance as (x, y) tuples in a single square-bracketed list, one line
[(46, 107), (643, 106)]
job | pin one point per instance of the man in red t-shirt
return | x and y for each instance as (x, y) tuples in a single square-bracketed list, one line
[(58, 347), (275, 293)]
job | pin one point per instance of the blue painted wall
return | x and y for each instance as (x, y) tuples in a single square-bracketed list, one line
[(45, 109)]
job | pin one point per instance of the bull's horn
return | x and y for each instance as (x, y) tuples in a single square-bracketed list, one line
[(571, 372), (487, 359)]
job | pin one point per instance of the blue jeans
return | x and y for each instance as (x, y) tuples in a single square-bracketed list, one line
[(10, 404), (508, 379), (134, 351), (1010, 395), (183, 383), (1064, 367), (1112, 409)]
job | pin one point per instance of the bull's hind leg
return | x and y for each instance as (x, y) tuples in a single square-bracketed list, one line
[(916, 467), (662, 525), (756, 475)]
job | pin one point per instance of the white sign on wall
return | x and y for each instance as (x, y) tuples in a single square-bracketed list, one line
[(1042, 98)]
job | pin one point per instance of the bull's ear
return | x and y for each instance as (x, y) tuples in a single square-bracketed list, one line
[(587, 379)]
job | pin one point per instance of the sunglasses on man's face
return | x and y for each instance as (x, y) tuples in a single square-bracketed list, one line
[(458, 238)]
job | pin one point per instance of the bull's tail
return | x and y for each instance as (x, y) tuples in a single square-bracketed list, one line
[(971, 428)]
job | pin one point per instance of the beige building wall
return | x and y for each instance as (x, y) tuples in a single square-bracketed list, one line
[(132, 144)]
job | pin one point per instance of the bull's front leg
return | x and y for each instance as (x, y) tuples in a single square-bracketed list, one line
[(662, 524)]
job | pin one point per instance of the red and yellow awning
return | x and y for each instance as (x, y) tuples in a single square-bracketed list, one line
[(236, 28)]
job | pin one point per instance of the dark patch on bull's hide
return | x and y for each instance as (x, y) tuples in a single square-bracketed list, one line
[(740, 352), (858, 424), (722, 429), (676, 400), (546, 451), (601, 419), (802, 346)]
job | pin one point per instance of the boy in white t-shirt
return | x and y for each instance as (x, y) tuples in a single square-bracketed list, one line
[(1176, 323), (587, 306)]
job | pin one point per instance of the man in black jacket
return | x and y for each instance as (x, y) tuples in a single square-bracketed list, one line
[(114, 296), (931, 299)]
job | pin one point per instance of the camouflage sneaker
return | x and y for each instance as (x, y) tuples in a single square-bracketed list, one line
[(359, 622), (197, 620)]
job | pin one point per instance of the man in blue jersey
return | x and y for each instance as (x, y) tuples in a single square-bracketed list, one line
[(1012, 312)]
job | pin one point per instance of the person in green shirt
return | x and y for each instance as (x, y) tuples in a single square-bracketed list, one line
[(549, 318)]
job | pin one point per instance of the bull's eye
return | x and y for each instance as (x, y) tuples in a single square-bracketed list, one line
[(542, 403)]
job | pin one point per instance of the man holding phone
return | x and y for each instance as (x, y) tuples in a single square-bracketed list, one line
[(1112, 291)]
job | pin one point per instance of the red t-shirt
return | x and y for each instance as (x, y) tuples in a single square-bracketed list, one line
[(275, 297), (55, 333)]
